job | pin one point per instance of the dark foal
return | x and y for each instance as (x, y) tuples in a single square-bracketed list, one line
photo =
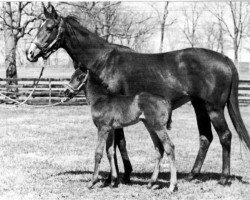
[(120, 140), (110, 112)]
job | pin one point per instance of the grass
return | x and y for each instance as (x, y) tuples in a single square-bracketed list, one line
[(49, 154)]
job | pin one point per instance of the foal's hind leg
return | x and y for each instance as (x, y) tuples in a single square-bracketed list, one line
[(206, 136), (219, 122), (159, 154), (121, 143), (169, 149), (111, 153)]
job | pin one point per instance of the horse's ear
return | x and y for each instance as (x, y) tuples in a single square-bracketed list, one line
[(45, 11), (52, 11)]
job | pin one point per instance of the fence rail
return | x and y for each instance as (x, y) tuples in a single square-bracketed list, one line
[(50, 90)]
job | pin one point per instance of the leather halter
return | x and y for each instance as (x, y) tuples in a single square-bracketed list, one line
[(76, 90), (54, 45)]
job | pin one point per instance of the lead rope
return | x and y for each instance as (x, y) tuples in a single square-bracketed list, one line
[(29, 96)]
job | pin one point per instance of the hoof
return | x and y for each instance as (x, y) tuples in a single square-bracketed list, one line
[(191, 176), (126, 180), (224, 181), (172, 189), (114, 183), (106, 182), (90, 185), (151, 184)]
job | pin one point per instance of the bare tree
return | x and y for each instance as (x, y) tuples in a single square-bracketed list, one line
[(191, 15), (16, 19), (239, 16), (162, 20), (110, 21)]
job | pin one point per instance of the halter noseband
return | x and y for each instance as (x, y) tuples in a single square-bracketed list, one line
[(75, 91), (54, 45)]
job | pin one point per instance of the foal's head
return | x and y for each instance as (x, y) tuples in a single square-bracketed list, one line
[(76, 83)]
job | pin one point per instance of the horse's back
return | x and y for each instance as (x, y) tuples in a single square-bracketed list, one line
[(189, 72)]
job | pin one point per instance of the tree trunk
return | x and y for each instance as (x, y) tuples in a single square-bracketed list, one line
[(10, 51), (163, 21)]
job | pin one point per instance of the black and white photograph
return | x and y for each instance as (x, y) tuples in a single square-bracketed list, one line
[(142, 100)]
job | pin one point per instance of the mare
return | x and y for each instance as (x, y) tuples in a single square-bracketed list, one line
[(206, 78)]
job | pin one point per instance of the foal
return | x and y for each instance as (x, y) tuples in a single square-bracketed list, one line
[(110, 111)]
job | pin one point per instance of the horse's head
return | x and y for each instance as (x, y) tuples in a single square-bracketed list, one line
[(49, 36), (77, 81)]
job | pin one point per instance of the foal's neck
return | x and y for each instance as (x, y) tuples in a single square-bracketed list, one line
[(95, 90)]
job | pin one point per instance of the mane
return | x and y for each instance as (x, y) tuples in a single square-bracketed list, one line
[(70, 18)]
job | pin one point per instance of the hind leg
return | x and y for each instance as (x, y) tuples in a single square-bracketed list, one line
[(121, 143), (159, 154), (219, 122), (111, 156), (169, 149), (206, 136)]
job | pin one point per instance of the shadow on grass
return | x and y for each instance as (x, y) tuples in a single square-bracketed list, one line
[(144, 177)]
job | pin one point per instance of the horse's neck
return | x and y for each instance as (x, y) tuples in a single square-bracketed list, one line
[(81, 48), (84, 49)]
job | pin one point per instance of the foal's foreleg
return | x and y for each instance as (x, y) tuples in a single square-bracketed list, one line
[(159, 154), (102, 138)]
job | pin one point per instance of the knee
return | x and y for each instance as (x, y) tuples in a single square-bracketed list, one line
[(170, 149), (110, 153), (226, 138), (98, 155), (205, 141), (159, 153)]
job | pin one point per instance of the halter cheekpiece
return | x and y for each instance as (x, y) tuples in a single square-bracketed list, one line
[(55, 44)]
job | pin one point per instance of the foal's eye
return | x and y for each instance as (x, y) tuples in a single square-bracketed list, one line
[(49, 29)]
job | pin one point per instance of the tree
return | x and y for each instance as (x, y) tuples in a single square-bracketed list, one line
[(114, 23), (236, 28), (162, 20), (191, 23), (16, 19)]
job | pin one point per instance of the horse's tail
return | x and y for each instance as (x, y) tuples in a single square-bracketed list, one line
[(233, 107)]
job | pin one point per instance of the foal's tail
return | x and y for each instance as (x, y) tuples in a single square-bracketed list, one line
[(233, 107)]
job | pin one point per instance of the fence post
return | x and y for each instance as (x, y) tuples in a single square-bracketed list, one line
[(49, 91)]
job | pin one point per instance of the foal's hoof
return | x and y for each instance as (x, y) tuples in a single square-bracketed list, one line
[(151, 184), (191, 176), (172, 189), (106, 182), (224, 181), (114, 183), (90, 185)]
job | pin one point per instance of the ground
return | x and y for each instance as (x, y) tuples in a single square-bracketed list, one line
[(48, 153)]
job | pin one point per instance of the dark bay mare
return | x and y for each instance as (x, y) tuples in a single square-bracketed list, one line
[(206, 78)]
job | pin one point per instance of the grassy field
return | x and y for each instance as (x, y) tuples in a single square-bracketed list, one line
[(49, 154)]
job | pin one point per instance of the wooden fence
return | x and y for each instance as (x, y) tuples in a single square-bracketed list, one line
[(50, 90)]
